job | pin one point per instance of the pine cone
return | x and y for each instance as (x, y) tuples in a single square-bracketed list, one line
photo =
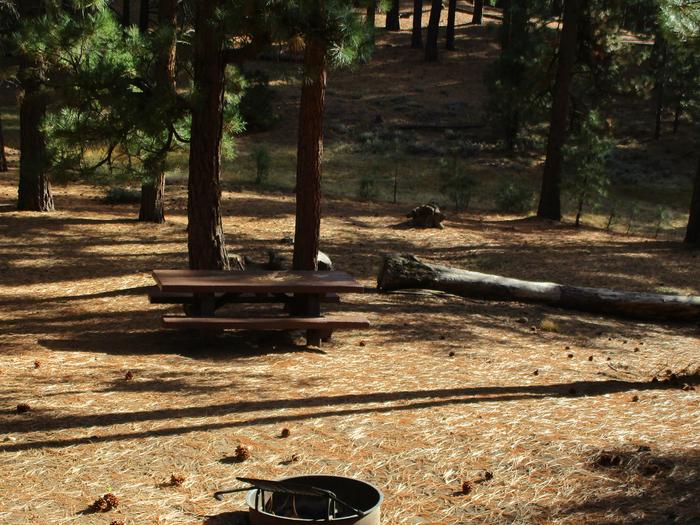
[(100, 505), (242, 453), (177, 479), (285, 433), (22, 408), (116, 522), (37, 363), (129, 375), (466, 487)]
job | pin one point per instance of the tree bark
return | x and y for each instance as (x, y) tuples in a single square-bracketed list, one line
[(550, 196), (309, 156), (408, 272), (431, 41), (34, 188), (660, 54), (417, 31), (450, 30), (392, 17), (692, 232), (3, 158), (126, 13), (478, 15), (205, 235), (371, 17), (153, 187), (144, 15)]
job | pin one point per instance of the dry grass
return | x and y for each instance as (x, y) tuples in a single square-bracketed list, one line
[(396, 410)]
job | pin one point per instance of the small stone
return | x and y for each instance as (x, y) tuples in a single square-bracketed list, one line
[(285, 433)]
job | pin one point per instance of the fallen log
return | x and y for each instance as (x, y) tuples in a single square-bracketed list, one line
[(408, 272)]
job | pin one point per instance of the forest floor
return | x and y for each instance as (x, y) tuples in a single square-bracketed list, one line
[(561, 408), (576, 417)]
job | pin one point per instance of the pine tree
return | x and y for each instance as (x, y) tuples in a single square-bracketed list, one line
[(393, 22), (34, 193), (334, 36), (478, 15), (550, 195), (431, 41), (450, 29), (417, 29)]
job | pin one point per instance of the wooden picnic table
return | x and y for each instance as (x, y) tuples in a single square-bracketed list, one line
[(302, 292)]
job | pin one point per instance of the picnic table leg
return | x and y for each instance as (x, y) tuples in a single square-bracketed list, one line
[(309, 305), (206, 304)]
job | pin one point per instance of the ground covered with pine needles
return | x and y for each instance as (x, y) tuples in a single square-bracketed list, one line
[(461, 411)]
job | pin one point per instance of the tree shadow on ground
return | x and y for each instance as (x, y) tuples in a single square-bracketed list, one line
[(328, 406), (651, 487)]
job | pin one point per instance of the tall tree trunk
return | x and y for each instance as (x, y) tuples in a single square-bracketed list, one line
[(431, 41), (660, 53), (392, 17), (677, 115), (513, 29), (450, 30), (34, 188), (478, 15), (144, 15), (417, 31), (3, 158), (153, 188), (309, 157), (205, 235), (126, 13), (550, 196), (371, 17), (692, 232)]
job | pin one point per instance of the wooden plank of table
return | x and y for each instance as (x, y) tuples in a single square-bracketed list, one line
[(212, 281)]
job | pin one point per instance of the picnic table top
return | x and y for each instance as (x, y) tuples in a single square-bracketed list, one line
[(212, 281)]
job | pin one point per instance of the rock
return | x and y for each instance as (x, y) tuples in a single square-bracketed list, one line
[(426, 216)]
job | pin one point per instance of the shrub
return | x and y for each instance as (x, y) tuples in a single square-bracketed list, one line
[(117, 195), (513, 198), (262, 165), (256, 104), (367, 190), (455, 184)]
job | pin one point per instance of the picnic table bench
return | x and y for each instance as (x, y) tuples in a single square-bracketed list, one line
[(203, 292)]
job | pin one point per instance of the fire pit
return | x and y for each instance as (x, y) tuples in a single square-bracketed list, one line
[(298, 499)]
